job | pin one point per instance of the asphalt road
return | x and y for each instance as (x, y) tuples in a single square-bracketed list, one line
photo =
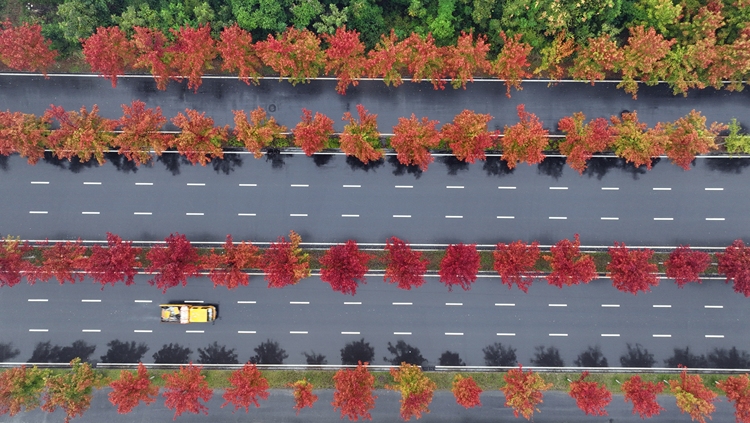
[(557, 407), (218, 97), (328, 199), (311, 317)]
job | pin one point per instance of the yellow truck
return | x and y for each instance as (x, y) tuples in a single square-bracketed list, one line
[(187, 313)]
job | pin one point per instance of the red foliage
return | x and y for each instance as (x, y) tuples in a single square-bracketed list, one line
[(466, 59), (685, 265), (523, 391), (303, 396), (140, 132), (62, 261), (353, 394), (515, 263), (113, 264), (459, 266), (83, 135), (295, 55), (468, 136), (20, 389), (555, 54), (467, 392), (525, 140), (248, 386), (693, 397), (259, 133), (424, 59), (643, 396), (226, 267), (345, 57), (737, 390), (192, 52), (735, 264), (416, 390), (634, 142), (109, 52), (71, 391), (689, 136), (173, 263), (238, 54), (285, 264), (413, 140), (569, 265), (344, 267), (311, 134), (184, 389), (404, 266), (23, 133), (630, 270), (200, 140), (642, 57), (12, 264), (583, 140), (590, 397), (130, 389), (512, 63), (387, 60), (361, 139), (151, 54), (597, 56), (24, 48)]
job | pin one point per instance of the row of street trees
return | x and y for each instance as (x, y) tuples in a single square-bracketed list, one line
[(344, 266), (187, 390), (86, 135)]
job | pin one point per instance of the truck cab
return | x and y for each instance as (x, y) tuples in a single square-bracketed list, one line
[(187, 313)]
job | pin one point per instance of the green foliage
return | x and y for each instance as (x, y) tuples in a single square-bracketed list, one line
[(330, 21), (659, 14), (79, 18), (304, 11), (269, 16), (367, 17), (736, 142), (441, 26)]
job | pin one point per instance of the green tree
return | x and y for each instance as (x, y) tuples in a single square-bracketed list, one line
[(736, 142), (269, 16), (332, 21), (79, 18), (441, 26), (367, 17), (658, 14), (305, 11)]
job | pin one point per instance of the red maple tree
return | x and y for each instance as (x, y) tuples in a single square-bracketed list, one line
[(404, 266), (345, 57), (23, 133), (353, 392), (634, 142), (468, 136), (466, 391), (388, 59), (692, 396), (685, 265), (631, 270), (130, 389), (248, 386), (569, 265), (737, 390), (515, 263), (642, 58), (734, 262), (311, 134), (12, 263), (65, 261), (555, 54), (525, 140), (643, 396), (459, 266), (596, 57), (24, 48), (689, 136), (238, 54), (21, 389), (295, 55), (416, 390), (115, 263), (344, 267), (512, 63), (140, 132), (361, 139), (468, 57), (523, 391), (184, 389), (591, 397), (226, 266), (259, 133), (151, 54), (583, 140), (192, 52), (412, 139), (285, 263), (424, 59), (81, 134), (173, 263), (72, 391), (200, 140), (303, 396), (109, 52)]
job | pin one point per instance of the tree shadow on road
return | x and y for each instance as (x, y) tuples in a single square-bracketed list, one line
[(172, 354), (124, 352), (274, 156), (321, 160), (45, 352), (3, 162), (121, 163), (227, 164), (7, 351), (453, 164), (74, 165), (356, 164), (172, 161), (728, 165), (551, 166), (217, 354), (356, 351), (495, 166), (400, 170)]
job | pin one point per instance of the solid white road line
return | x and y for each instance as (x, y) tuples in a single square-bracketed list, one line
[(350, 333), (610, 305), (714, 336), (39, 182), (506, 334), (402, 215), (506, 217), (610, 188), (37, 300), (557, 305), (248, 185), (454, 217), (37, 212), (454, 334), (89, 212), (558, 334), (246, 214), (610, 218), (91, 301), (714, 189), (454, 304), (610, 335), (91, 330), (196, 184), (246, 331), (298, 215), (144, 183), (142, 301), (705, 306), (402, 304), (404, 186), (561, 188), (298, 332), (661, 335), (662, 189), (299, 185), (92, 183), (349, 215), (558, 218), (193, 214), (402, 333), (506, 187), (720, 219), (299, 302), (505, 304), (194, 331), (664, 218), (352, 186), (142, 331), (454, 186), (352, 302), (194, 301), (662, 306), (245, 302), (142, 213), (38, 330)]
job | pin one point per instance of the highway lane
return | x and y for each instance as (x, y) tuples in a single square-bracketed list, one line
[(327, 199), (218, 97), (310, 317)]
